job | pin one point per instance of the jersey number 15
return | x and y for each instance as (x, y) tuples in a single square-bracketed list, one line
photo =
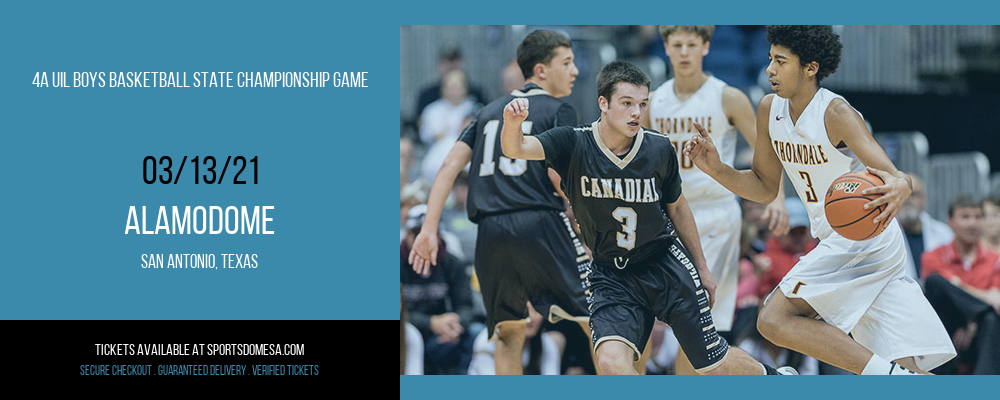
[(507, 166)]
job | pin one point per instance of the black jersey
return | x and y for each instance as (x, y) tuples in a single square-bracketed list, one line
[(619, 202), (499, 184)]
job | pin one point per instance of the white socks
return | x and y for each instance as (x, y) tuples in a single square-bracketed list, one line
[(879, 366)]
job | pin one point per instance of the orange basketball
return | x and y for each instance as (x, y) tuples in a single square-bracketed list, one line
[(845, 206)]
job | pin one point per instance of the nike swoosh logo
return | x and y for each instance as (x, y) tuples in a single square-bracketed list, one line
[(777, 118)]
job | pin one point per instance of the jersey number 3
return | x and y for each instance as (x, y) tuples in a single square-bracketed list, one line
[(811, 193), (507, 166), (626, 215)]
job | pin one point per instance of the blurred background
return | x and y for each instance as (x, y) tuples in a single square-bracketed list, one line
[(930, 94)]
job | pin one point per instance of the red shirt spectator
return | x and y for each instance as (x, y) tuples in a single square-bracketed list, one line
[(782, 253), (983, 273)]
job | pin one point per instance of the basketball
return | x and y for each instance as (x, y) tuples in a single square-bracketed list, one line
[(845, 206)]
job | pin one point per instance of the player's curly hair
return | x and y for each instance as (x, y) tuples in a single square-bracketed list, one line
[(810, 43), (619, 71)]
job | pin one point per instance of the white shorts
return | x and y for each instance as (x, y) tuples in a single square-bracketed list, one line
[(719, 222), (862, 289)]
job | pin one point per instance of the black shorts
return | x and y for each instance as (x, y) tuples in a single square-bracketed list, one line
[(666, 286), (530, 255)]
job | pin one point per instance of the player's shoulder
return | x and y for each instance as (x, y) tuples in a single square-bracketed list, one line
[(496, 106), (656, 138), (764, 105), (536, 95), (839, 107), (654, 133), (732, 93), (571, 130), (581, 129)]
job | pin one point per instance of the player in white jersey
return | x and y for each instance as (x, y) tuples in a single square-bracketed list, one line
[(856, 287), (693, 96)]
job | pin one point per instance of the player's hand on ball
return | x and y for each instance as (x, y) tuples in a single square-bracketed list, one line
[(701, 150), (424, 252), (516, 111), (895, 191)]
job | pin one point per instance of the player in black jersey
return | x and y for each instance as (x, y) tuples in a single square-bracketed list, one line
[(625, 189), (525, 248)]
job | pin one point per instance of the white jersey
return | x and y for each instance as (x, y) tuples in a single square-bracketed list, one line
[(673, 117), (810, 160)]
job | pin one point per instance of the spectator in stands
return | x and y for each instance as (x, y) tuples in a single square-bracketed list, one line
[(438, 304), (753, 214), (923, 233), (747, 296), (542, 351), (443, 118), (449, 59), (442, 122), (963, 285), (991, 222), (784, 251)]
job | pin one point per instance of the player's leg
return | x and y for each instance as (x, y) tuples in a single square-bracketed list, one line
[(503, 296), (719, 228), (585, 325), (792, 323), (684, 305), (639, 365), (682, 366), (556, 278), (856, 287), (619, 323), (510, 344), (911, 364), (901, 325), (788, 323), (614, 357)]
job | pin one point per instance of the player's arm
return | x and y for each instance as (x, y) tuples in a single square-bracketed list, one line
[(425, 246), (645, 120), (844, 124), (512, 140), (680, 212), (737, 107), (760, 183)]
